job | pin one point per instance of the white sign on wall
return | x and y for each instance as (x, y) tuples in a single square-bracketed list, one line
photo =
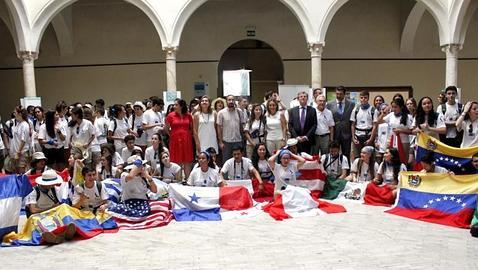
[(236, 82)]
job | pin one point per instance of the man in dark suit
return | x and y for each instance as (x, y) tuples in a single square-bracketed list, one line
[(302, 123), (342, 108)]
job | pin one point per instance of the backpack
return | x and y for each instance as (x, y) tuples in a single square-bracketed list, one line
[(28, 213), (443, 108), (372, 112), (98, 187), (115, 125)]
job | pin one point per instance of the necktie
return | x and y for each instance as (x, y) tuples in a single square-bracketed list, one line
[(302, 118), (341, 108)]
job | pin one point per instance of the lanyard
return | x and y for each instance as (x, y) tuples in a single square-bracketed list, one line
[(242, 169)]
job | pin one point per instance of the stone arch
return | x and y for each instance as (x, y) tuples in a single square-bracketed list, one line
[(462, 26), (295, 6), (410, 28), (54, 7), (5, 17), (329, 14)]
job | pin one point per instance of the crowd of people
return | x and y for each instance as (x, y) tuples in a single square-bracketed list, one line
[(208, 142)]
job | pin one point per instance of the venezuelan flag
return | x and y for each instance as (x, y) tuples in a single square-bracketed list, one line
[(457, 160), (438, 198), (55, 220)]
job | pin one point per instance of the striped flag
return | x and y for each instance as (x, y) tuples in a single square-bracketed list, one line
[(311, 176), (13, 189), (160, 216)]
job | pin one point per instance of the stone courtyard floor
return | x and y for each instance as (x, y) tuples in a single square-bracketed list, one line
[(363, 238)]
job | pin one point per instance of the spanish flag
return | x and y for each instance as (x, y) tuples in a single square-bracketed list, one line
[(457, 160), (438, 198)]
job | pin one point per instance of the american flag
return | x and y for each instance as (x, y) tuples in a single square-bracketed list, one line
[(160, 215)]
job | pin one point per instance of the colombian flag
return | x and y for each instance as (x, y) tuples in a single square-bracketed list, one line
[(438, 198), (453, 159)]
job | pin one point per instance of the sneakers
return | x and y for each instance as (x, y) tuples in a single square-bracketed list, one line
[(70, 231), (53, 239), (66, 235)]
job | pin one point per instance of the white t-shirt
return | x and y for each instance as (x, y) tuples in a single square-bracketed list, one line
[(2, 146), (94, 196), (81, 134), (394, 122), (21, 132), (138, 121), (256, 131), (198, 178), (126, 153), (43, 135), (151, 117), (383, 133), (230, 122), (153, 156), (438, 123), (133, 189), (169, 174), (470, 133), (325, 120), (387, 172), (363, 175), (285, 176), (364, 120), (451, 115), (64, 123), (237, 171), (334, 166), (122, 127), (102, 124), (264, 169)]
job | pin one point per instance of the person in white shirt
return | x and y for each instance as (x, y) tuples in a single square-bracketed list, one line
[(389, 170), (82, 135), (136, 122), (450, 111), (119, 127), (336, 165), (468, 122), (364, 168), (153, 121), (230, 128), (167, 171), (285, 171), (254, 130), (91, 195), (52, 137), (205, 175), (153, 152), (364, 124), (20, 143), (239, 167), (101, 124), (428, 164), (383, 135), (127, 151), (324, 132)]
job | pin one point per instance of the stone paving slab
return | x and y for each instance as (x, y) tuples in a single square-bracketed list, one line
[(363, 238)]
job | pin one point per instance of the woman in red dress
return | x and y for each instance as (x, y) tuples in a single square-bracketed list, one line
[(179, 126)]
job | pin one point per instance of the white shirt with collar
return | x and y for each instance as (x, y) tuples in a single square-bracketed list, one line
[(325, 120)]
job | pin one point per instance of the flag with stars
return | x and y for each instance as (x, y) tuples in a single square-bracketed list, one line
[(457, 160), (206, 203), (438, 198)]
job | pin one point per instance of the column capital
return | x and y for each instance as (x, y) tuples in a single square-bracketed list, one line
[(316, 49), (27, 56), (451, 48), (170, 52)]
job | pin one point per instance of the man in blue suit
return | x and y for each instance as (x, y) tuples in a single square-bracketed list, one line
[(302, 123)]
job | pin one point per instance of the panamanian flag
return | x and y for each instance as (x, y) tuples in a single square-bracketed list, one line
[(438, 198), (457, 160), (207, 203)]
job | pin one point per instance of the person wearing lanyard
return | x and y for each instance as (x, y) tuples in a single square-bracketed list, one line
[(205, 175), (239, 168)]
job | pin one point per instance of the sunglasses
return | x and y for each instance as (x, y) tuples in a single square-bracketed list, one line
[(470, 129), (77, 130)]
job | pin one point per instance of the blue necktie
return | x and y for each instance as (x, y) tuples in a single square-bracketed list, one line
[(341, 108)]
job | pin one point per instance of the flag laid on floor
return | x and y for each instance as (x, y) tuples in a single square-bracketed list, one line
[(311, 176), (160, 216), (265, 195), (379, 195), (341, 189), (113, 188), (55, 220), (205, 203), (453, 159), (13, 188), (438, 198), (299, 202)]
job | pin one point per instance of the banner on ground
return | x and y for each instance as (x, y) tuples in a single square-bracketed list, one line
[(13, 188), (438, 198)]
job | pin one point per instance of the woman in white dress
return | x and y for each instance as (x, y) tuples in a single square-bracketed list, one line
[(204, 127), (255, 129), (276, 127)]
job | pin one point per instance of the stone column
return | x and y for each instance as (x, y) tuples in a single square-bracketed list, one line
[(171, 68), (316, 64), (28, 59), (451, 51)]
